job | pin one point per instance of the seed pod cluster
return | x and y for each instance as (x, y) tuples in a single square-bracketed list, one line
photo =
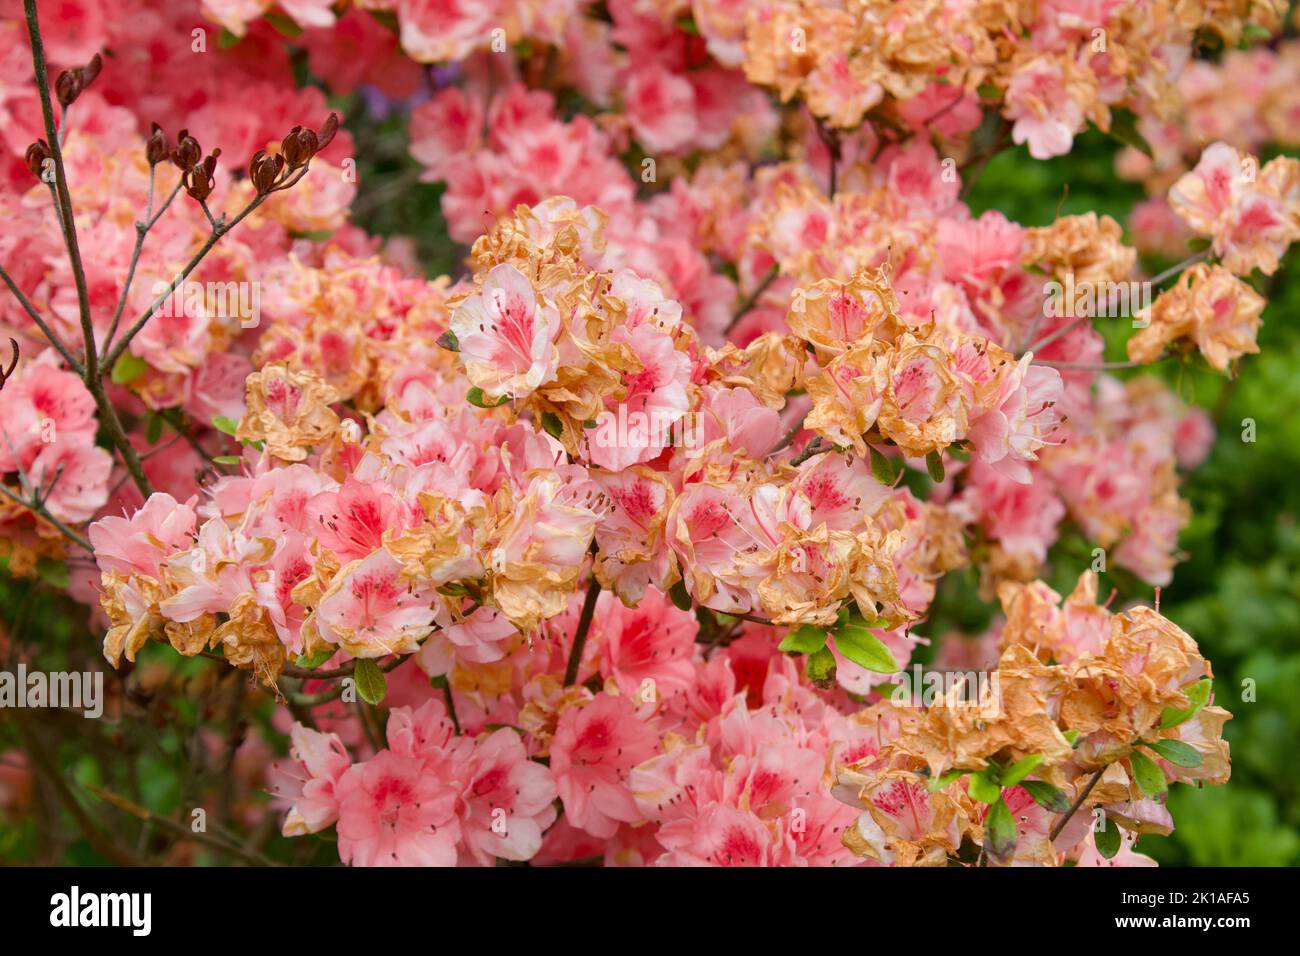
[(271, 171), (302, 144)]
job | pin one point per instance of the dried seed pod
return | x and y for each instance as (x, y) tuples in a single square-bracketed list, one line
[(187, 152), (327, 131), (91, 70), (71, 83), (155, 147), (302, 144), (200, 179), (5, 373), (67, 86), (37, 154), (298, 147), (264, 170)]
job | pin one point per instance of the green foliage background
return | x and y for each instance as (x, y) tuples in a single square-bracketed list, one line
[(1238, 591)]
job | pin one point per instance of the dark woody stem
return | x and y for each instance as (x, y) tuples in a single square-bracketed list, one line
[(580, 637), (1060, 825), (90, 367)]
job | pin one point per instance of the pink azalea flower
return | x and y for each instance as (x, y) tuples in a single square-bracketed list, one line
[(1021, 418), (726, 836), (42, 404), (507, 803), (351, 520), (392, 812), (595, 748), (74, 478), (652, 642), (506, 336), (661, 108), (1039, 104), (637, 428), (370, 611), (308, 780), (140, 543), (434, 30)]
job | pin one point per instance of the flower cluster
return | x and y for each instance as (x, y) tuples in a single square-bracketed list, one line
[(1094, 709), (612, 535), (1049, 67)]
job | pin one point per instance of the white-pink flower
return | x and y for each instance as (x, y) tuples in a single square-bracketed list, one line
[(371, 611), (506, 335)]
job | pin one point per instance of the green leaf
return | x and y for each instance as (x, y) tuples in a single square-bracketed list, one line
[(476, 397), (1150, 778), (440, 682), (128, 368), (686, 24), (1072, 737), (53, 572), (1021, 769), (938, 783), (865, 649), (989, 91), (371, 684), (680, 596), (881, 467), (934, 465), (226, 39), (804, 640), (821, 668), (227, 460), (283, 25), (313, 661), (1176, 752), (1047, 796), (551, 422), (386, 19), (153, 427), (1108, 838), (1000, 832), (983, 786), (449, 341), (225, 425), (1198, 695), (1123, 127)]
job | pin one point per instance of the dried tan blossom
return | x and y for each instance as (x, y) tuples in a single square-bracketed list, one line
[(289, 410)]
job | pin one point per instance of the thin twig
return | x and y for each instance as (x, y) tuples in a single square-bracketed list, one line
[(1060, 824), (60, 186), (813, 447), (39, 508), (752, 299), (1088, 366), (1051, 337), (40, 323)]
